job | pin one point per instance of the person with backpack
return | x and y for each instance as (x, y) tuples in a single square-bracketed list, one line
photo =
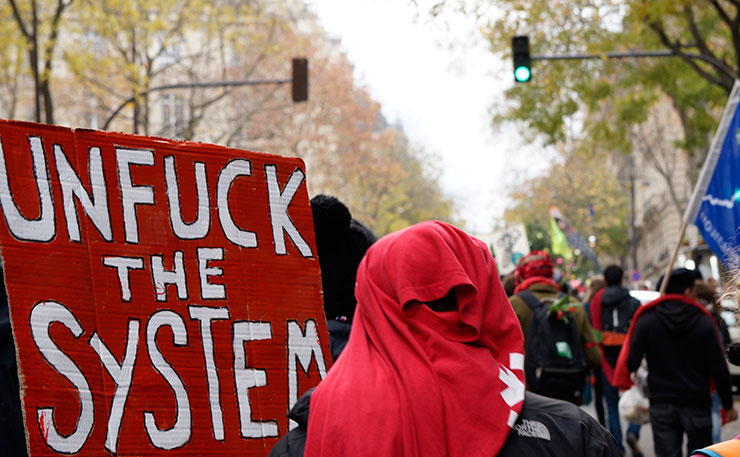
[(559, 340), (611, 310), (434, 365)]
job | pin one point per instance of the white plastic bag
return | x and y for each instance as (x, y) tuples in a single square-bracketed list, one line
[(634, 405)]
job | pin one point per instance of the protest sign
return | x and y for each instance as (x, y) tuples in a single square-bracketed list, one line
[(509, 244), (164, 296)]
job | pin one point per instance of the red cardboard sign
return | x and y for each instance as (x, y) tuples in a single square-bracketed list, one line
[(164, 295)]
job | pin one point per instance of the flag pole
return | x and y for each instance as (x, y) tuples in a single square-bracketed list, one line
[(705, 177), (669, 268)]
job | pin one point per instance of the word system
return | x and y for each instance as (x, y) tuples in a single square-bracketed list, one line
[(165, 296)]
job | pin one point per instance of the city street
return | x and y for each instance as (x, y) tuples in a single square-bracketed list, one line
[(729, 431)]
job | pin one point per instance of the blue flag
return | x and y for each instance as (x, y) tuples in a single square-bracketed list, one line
[(719, 214)]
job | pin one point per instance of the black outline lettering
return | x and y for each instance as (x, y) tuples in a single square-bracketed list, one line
[(242, 351), (207, 213), (205, 315), (74, 194), (41, 413), (135, 216), (283, 229), (228, 211), (50, 203), (149, 419), (205, 278), (164, 284)]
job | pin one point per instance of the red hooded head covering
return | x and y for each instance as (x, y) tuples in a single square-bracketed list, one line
[(534, 268), (416, 382)]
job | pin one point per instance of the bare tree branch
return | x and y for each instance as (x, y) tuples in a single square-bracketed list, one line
[(723, 69), (721, 11), (677, 48), (19, 20)]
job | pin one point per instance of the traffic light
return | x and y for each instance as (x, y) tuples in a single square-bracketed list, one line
[(300, 80), (520, 56)]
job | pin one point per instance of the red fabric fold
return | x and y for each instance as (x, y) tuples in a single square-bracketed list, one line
[(594, 310), (414, 382), (527, 283), (621, 377)]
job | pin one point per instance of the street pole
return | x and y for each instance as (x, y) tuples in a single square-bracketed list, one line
[(639, 54), (299, 81), (633, 217), (203, 85)]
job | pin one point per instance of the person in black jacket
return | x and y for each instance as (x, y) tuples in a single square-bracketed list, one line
[(341, 242), (681, 344), (545, 427), (617, 309)]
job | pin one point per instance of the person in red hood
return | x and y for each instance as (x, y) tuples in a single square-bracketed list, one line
[(680, 341), (434, 365)]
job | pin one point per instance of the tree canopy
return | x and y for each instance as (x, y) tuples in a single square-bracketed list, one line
[(608, 108), (100, 64)]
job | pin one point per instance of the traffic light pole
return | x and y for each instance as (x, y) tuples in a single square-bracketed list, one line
[(522, 59), (299, 82), (637, 54)]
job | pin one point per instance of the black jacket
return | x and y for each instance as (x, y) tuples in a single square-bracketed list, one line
[(545, 427), (682, 348), (293, 443), (616, 297), (12, 434)]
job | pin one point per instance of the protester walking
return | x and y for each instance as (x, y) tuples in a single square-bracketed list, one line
[(612, 310), (596, 283), (681, 343), (559, 340)]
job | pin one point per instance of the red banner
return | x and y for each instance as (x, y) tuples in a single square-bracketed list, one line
[(165, 296)]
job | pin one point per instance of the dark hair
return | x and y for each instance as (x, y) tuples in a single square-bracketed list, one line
[(613, 275), (341, 242), (597, 283), (707, 293), (681, 279), (509, 283)]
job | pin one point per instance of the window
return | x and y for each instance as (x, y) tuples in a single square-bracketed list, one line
[(173, 115)]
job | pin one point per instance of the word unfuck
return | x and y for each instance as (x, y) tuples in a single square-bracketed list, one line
[(164, 296)]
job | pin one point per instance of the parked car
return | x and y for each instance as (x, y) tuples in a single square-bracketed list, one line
[(645, 296)]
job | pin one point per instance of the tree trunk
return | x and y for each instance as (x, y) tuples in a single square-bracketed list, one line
[(48, 102)]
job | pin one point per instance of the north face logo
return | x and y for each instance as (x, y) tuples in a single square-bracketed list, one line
[(533, 429)]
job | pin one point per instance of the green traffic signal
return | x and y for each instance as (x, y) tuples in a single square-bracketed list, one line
[(522, 74), (521, 58)]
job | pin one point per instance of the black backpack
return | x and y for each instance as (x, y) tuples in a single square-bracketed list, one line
[(615, 322), (554, 365), (616, 317)]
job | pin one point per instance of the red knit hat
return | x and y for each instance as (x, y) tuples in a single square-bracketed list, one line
[(536, 263)]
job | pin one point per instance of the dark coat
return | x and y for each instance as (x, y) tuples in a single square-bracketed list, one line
[(682, 347), (293, 443), (545, 428), (12, 434)]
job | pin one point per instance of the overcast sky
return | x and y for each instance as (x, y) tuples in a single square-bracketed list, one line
[(441, 94)]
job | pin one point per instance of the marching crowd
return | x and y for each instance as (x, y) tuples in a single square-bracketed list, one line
[(446, 358), (437, 355)]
